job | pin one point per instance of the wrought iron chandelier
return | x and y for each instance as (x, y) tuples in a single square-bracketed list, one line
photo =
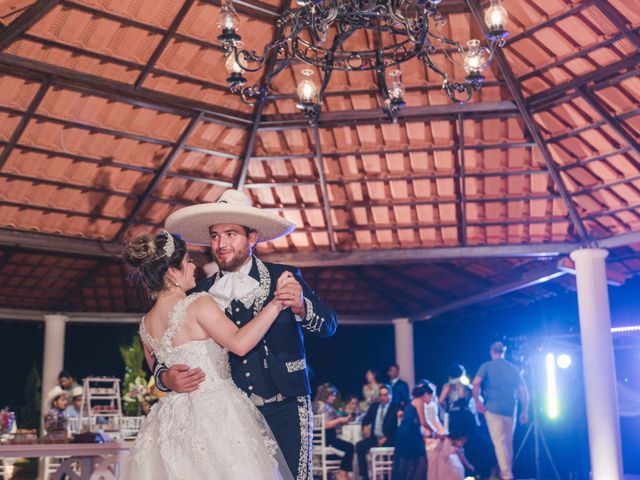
[(317, 33)]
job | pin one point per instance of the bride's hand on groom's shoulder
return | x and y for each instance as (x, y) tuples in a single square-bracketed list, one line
[(289, 292)]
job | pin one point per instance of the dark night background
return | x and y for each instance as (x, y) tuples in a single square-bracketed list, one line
[(529, 332)]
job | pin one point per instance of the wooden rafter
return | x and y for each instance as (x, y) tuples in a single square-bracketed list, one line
[(516, 91), (166, 165), (25, 21), (461, 204), (269, 65), (155, 56), (24, 121), (609, 119), (118, 91), (621, 23), (326, 208)]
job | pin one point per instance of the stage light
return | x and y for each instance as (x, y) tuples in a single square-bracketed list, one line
[(629, 328), (552, 388), (564, 360), (465, 380)]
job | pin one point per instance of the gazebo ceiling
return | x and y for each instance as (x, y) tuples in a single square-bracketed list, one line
[(115, 113)]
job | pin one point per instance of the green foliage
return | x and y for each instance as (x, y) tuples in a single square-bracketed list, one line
[(133, 357), (29, 414)]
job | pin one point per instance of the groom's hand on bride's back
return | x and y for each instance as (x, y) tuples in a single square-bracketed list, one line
[(182, 379)]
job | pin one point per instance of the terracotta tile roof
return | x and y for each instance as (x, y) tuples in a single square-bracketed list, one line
[(114, 114)]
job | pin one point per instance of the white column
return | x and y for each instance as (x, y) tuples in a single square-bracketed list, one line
[(599, 366), (403, 330), (53, 357)]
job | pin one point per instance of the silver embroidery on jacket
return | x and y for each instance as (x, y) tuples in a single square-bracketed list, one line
[(296, 365)]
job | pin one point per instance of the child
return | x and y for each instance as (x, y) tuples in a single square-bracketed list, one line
[(450, 460)]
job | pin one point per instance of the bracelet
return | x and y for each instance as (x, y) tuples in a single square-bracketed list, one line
[(156, 377)]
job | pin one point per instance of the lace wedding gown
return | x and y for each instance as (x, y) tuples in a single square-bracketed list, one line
[(214, 432)]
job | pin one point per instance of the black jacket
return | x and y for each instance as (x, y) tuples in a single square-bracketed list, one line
[(389, 422), (278, 363)]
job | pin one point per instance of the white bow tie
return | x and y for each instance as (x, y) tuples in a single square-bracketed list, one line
[(235, 286)]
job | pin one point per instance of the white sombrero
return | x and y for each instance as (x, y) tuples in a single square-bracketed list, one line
[(192, 223)]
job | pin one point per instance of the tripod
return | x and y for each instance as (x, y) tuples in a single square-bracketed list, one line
[(535, 430), (538, 437)]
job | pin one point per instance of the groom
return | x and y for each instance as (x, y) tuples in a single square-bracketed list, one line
[(274, 373)]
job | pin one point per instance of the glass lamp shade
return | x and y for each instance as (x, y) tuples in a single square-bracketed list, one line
[(496, 16), (227, 18), (231, 65), (475, 58), (307, 90), (396, 89)]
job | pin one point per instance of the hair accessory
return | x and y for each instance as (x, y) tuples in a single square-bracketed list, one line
[(169, 245)]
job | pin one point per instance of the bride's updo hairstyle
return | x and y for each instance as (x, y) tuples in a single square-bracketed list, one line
[(148, 258)]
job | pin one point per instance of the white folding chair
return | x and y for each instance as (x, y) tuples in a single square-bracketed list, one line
[(131, 427), (381, 462), (322, 465), (7, 468)]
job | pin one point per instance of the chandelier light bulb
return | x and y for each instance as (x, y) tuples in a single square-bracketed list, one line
[(307, 90), (228, 19), (474, 58), (496, 16)]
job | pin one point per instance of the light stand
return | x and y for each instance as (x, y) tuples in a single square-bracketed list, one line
[(535, 430)]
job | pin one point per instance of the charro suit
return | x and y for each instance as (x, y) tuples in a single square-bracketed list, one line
[(274, 373)]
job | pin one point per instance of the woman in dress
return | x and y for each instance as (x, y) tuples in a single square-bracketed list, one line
[(457, 400), (370, 389), (213, 432), (323, 405), (410, 457)]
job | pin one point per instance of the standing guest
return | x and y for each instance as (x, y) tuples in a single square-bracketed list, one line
[(501, 384), (66, 381), (457, 398), (410, 458), (370, 389), (431, 412), (73, 410), (399, 388), (323, 405), (379, 427), (55, 420)]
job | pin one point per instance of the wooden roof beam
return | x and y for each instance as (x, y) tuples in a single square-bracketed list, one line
[(25, 21), (24, 121), (377, 115), (516, 91), (166, 38), (610, 120), (269, 65), (166, 165), (534, 277), (620, 21), (460, 190), (118, 91), (326, 208)]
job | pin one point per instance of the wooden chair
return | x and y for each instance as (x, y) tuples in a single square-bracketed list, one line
[(322, 465), (381, 463), (131, 427)]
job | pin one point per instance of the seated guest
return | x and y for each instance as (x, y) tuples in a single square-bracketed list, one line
[(410, 457), (379, 427), (323, 405), (351, 408), (73, 410), (56, 421)]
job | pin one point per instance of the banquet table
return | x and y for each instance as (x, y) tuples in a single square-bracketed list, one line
[(96, 460)]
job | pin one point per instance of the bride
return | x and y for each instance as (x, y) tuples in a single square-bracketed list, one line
[(214, 432)]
